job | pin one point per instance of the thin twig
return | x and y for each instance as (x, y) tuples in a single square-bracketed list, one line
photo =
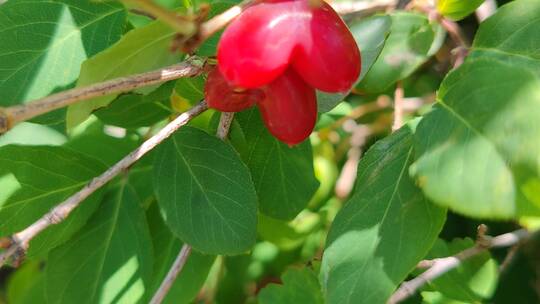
[(142, 13), (348, 175), (510, 256), (443, 265), (21, 240), (381, 103), (12, 115), (399, 95), (455, 32), (173, 273), (224, 126), (222, 133)]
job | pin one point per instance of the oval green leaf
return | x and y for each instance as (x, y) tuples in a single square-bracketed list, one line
[(383, 231), (109, 261), (412, 40), (370, 35), (43, 43), (457, 9), (284, 177), (205, 192), (140, 50), (35, 179)]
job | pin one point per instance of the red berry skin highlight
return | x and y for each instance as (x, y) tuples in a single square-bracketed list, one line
[(289, 110), (269, 37), (256, 48), (331, 62), (221, 96)]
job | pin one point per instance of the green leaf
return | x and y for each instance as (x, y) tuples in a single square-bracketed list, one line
[(510, 35), (299, 286), (383, 231), (191, 89), (166, 247), (481, 141), (33, 180), (435, 297), (43, 43), (327, 101), (93, 142), (473, 281), (140, 50), (205, 193), (109, 261), (232, 278), (518, 277), (132, 111), (370, 35), (140, 177), (31, 134), (412, 40), (457, 9), (209, 47), (284, 177), (288, 235), (477, 150), (26, 285)]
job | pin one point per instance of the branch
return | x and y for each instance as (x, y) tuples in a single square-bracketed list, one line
[(173, 273), (440, 266), (459, 39), (224, 126), (21, 240), (10, 116), (225, 122)]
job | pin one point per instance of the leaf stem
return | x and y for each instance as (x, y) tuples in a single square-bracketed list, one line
[(21, 240)]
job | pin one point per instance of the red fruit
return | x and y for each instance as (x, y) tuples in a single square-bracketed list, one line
[(223, 97), (256, 48), (267, 38), (289, 110), (331, 63)]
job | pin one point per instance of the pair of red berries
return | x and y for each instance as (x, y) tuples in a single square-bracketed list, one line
[(275, 54)]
